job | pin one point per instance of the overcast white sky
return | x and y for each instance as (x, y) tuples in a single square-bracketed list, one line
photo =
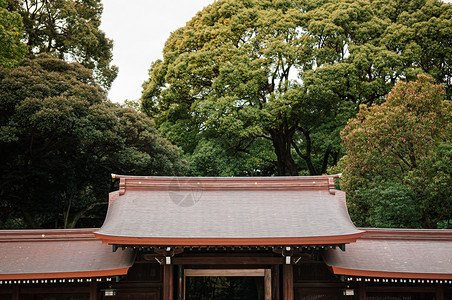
[(139, 29)]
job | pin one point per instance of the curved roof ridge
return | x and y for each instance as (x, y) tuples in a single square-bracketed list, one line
[(214, 183)]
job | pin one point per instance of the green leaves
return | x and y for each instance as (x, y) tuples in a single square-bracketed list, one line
[(69, 30), (12, 50), (227, 71), (398, 158), (60, 139), (292, 72)]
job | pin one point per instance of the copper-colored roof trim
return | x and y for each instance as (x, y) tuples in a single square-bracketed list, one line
[(216, 183), (407, 234), (383, 274), (287, 241), (87, 274), (40, 235)]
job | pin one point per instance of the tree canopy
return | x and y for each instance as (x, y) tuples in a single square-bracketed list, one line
[(69, 30), (288, 75), (60, 140), (12, 50), (397, 170)]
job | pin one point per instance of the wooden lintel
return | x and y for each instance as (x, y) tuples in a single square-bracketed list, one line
[(225, 272), (227, 260)]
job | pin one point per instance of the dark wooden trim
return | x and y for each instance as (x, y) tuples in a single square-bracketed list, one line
[(268, 284), (317, 284), (168, 282), (16, 292), (93, 292), (399, 289), (362, 291), (224, 272), (56, 290), (288, 290), (180, 285), (439, 292), (275, 282), (228, 260)]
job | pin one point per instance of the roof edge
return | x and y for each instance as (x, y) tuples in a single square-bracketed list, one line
[(284, 241), (47, 234), (406, 234), (80, 274), (387, 274)]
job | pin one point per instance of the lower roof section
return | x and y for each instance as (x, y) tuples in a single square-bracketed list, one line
[(395, 253), (50, 254), (227, 211)]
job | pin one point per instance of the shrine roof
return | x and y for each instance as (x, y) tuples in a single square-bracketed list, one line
[(59, 253), (396, 253), (234, 211)]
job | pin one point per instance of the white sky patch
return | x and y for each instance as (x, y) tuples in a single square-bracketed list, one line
[(139, 29)]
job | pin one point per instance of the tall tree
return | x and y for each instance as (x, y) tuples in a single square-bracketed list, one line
[(291, 72), (69, 30), (397, 170), (12, 50), (60, 139), (229, 70)]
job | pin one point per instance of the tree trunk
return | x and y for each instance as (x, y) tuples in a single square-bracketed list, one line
[(282, 141), (325, 160)]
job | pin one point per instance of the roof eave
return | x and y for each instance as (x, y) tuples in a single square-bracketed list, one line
[(387, 274), (79, 274), (272, 241)]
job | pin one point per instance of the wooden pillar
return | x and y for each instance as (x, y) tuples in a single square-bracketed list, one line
[(268, 284), (168, 282), (362, 291), (275, 282), (180, 285), (288, 292), (439, 292), (16, 292), (93, 290)]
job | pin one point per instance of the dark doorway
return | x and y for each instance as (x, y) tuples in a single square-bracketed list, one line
[(224, 288), (227, 284)]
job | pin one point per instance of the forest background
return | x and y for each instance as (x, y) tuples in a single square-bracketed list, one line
[(246, 88)]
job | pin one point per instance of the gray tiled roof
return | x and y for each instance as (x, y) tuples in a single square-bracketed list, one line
[(228, 208), (396, 253), (59, 253)]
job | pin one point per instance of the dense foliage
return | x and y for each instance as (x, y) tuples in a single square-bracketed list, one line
[(270, 84), (398, 163), (60, 139), (12, 50), (69, 30)]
